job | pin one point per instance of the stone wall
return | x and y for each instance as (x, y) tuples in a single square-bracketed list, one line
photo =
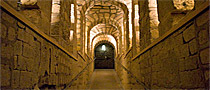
[(181, 61), (30, 61)]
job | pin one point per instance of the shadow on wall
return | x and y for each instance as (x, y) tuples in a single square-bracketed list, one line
[(104, 56)]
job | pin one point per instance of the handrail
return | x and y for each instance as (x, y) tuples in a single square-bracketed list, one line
[(175, 28), (88, 56), (129, 72), (22, 18), (75, 78), (129, 50), (83, 58)]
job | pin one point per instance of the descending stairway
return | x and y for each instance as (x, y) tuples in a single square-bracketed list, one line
[(105, 79)]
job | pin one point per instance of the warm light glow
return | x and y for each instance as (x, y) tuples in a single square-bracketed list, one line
[(55, 11), (72, 13), (103, 48), (28, 2), (136, 15), (71, 35)]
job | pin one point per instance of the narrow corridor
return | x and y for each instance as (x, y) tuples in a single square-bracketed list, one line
[(104, 44), (105, 79)]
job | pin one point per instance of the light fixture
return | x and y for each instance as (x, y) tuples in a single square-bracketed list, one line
[(103, 48)]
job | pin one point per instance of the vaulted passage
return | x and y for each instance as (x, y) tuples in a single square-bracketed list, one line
[(104, 44)]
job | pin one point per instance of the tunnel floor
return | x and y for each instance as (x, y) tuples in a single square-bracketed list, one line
[(105, 79)]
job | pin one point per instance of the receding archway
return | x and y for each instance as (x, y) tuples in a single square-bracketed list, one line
[(104, 56)]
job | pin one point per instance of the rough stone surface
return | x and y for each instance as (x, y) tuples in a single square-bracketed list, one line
[(31, 61)]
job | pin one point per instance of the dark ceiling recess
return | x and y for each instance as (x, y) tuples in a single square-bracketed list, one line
[(104, 59)]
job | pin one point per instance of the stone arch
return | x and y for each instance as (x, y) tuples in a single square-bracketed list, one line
[(104, 37), (104, 41)]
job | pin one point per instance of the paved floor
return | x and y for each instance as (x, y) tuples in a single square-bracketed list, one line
[(105, 79)]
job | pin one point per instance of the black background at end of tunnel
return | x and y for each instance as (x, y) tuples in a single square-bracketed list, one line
[(104, 59)]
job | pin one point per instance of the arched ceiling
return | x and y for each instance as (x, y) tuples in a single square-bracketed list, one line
[(108, 38), (104, 29), (103, 19), (99, 13)]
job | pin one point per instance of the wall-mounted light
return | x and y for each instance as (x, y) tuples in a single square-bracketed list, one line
[(103, 48)]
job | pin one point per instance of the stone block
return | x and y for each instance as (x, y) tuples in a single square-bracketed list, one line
[(5, 75), (206, 74), (18, 48), (53, 78), (6, 54), (30, 37), (191, 62), (22, 35), (30, 64), (203, 36), (184, 50), (22, 63), (15, 62), (35, 78), (191, 79), (189, 33), (27, 50), (25, 79), (204, 56), (15, 79), (193, 45), (11, 34), (5, 16), (181, 64), (3, 31)]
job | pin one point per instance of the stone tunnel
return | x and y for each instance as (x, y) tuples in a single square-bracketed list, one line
[(104, 44)]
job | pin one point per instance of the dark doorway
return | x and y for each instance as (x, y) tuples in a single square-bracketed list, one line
[(104, 59)]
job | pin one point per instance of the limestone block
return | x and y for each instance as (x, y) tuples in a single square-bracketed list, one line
[(53, 78), (24, 36), (27, 50), (184, 51), (15, 62), (193, 45), (191, 62), (25, 79), (5, 75), (204, 56), (35, 78), (189, 33), (22, 63), (15, 82), (6, 53), (7, 17), (30, 38), (11, 33), (18, 48), (30, 64), (206, 74), (3, 31), (191, 79), (203, 37)]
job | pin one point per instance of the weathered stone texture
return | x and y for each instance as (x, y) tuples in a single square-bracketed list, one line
[(28, 61), (180, 61)]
